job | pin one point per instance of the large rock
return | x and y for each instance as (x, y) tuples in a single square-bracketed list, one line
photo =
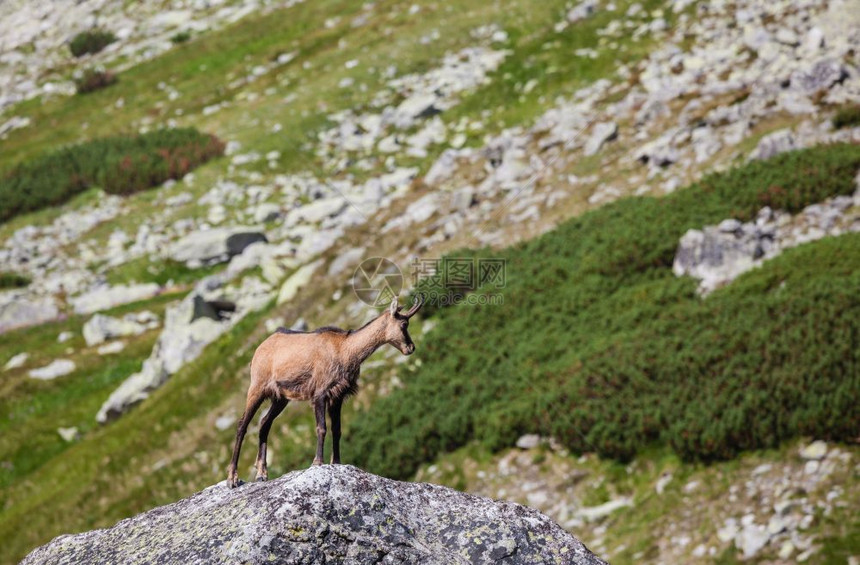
[(298, 280), (213, 246), (200, 318), (820, 76), (17, 311), (105, 297), (56, 368), (327, 514), (716, 255), (600, 134), (775, 143), (101, 328)]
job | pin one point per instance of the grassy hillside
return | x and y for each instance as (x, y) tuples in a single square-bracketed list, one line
[(597, 343), (601, 346)]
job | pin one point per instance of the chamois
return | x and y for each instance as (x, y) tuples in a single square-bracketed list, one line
[(321, 367)]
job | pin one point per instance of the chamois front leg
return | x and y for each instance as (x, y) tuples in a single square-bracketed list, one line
[(278, 405), (334, 413), (251, 406), (319, 414)]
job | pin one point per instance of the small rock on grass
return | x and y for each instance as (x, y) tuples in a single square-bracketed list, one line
[(55, 369), (815, 451), (16, 361)]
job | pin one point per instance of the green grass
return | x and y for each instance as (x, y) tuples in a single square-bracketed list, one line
[(117, 164), (89, 42), (13, 280), (601, 346), (74, 480), (849, 116), (145, 269), (94, 79)]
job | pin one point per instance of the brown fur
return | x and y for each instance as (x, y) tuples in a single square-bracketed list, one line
[(321, 367)]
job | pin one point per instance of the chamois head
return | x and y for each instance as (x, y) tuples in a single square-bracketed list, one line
[(397, 326)]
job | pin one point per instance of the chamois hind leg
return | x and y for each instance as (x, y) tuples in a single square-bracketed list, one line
[(278, 405), (255, 398), (319, 414), (334, 414)]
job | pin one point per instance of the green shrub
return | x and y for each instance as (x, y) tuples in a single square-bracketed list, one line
[(849, 116), (601, 346), (13, 280), (119, 165), (94, 79), (180, 37), (91, 41)]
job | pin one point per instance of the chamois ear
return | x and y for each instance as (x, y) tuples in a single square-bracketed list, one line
[(393, 308)]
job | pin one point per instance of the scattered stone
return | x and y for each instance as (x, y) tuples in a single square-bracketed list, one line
[(213, 246), (184, 337), (582, 11), (716, 255), (299, 279), (101, 328), (528, 441), (751, 539), (775, 143), (820, 76), (463, 198), (65, 336), (20, 312), (16, 361), (111, 348), (68, 434), (597, 513), (600, 134), (225, 422), (57, 368), (690, 487), (663, 482), (346, 261), (816, 450), (106, 297), (786, 550), (729, 531)]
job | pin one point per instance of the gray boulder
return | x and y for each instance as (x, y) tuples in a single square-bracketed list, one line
[(600, 134), (101, 328), (775, 143), (105, 297), (820, 76), (197, 320), (17, 311), (213, 246), (327, 514)]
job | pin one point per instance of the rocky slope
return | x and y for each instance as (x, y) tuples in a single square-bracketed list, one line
[(468, 144), (326, 514)]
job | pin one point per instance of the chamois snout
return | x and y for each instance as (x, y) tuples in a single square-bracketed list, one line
[(407, 349)]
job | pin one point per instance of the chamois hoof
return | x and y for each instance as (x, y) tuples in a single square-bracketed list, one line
[(261, 478), (233, 482), (316, 463)]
